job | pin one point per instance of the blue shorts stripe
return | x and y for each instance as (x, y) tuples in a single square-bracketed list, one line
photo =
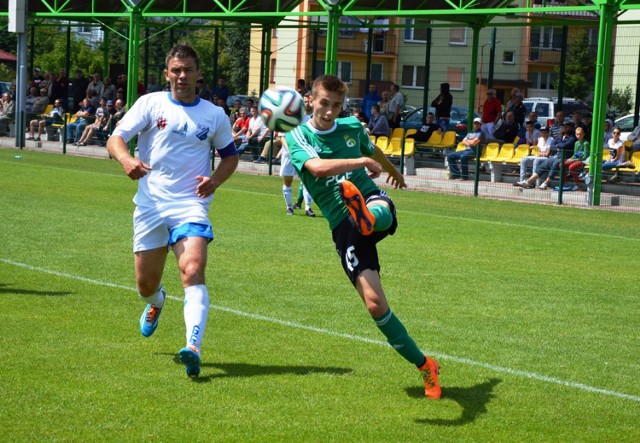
[(190, 230)]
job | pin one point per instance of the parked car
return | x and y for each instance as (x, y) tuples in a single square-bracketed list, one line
[(546, 108), (458, 120), (626, 126)]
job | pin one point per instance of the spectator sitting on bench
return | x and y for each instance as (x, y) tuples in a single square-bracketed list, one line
[(100, 123), (240, 126), (257, 134), (7, 112), (55, 116), (507, 131), (378, 124), (617, 155), (472, 139), (425, 131), (83, 115)]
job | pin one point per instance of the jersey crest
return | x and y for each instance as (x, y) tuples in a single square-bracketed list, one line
[(202, 132)]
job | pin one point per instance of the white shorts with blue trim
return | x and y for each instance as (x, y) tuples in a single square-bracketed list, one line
[(163, 225)]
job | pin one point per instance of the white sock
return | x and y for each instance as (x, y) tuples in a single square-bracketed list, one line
[(156, 299), (286, 191), (196, 310), (307, 198)]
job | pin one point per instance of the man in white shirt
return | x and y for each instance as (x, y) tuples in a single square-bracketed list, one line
[(257, 134), (175, 132)]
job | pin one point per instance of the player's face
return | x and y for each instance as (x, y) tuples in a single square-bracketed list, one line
[(182, 75), (326, 108)]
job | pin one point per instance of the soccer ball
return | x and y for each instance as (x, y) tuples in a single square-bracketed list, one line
[(281, 109)]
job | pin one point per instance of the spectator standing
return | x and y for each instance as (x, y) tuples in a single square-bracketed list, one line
[(80, 86), (31, 98), (371, 98), (396, 105), (152, 84), (109, 89), (472, 139), (221, 90), (301, 87), (60, 88), (203, 91), (37, 77), (519, 110), (384, 104), (491, 111), (442, 104), (96, 85)]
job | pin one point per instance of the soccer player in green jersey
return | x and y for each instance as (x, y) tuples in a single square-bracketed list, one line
[(332, 157)]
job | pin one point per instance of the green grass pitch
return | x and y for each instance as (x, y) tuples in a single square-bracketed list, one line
[(531, 310)]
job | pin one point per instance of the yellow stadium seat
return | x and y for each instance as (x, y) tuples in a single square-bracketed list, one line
[(448, 140), (535, 150), (490, 152), (434, 139), (397, 132), (382, 142), (506, 153), (395, 147), (373, 138), (521, 152), (410, 132), (410, 147)]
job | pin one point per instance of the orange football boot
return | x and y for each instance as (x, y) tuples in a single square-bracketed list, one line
[(355, 203), (429, 371)]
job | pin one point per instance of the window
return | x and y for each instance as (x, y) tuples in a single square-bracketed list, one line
[(546, 37), (376, 72), (455, 78), (508, 58), (412, 76), (458, 36), (542, 80), (346, 32), (320, 67), (344, 71), (378, 42), (416, 30)]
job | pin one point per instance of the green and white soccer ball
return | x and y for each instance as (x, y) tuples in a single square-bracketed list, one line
[(281, 109)]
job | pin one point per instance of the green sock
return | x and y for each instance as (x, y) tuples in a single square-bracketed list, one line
[(383, 217), (399, 339)]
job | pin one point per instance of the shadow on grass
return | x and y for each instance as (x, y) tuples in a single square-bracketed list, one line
[(473, 400), (7, 289), (252, 370)]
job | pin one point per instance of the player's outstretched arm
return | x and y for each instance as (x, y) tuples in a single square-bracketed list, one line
[(323, 167), (133, 167), (396, 179)]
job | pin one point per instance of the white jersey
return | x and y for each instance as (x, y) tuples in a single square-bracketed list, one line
[(175, 140)]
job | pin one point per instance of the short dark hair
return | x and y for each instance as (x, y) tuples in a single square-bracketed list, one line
[(330, 83), (183, 51)]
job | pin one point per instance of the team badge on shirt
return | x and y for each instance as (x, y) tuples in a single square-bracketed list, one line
[(161, 123), (202, 132), (349, 141)]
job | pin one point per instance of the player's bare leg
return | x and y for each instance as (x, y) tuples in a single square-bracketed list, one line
[(149, 266)]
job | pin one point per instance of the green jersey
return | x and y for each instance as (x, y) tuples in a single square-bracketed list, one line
[(347, 139)]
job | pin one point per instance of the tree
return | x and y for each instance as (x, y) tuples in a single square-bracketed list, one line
[(621, 101), (579, 69)]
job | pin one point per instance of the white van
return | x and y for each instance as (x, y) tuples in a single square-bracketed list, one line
[(546, 108)]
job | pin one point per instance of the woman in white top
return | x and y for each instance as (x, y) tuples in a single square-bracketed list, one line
[(545, 143)]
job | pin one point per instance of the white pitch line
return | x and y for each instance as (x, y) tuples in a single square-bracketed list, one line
[(461, 360)]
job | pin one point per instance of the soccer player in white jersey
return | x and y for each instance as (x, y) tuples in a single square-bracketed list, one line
[(175, 132)]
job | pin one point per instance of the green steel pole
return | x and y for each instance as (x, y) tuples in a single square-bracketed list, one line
[(314, 55), (472, 95), (427, 75), (492, 58), (105, 54), (267, 59), (145, 75), (473, 74), (603, 64), (333, 29), (563, 62), (216, 54), (133, 54)]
